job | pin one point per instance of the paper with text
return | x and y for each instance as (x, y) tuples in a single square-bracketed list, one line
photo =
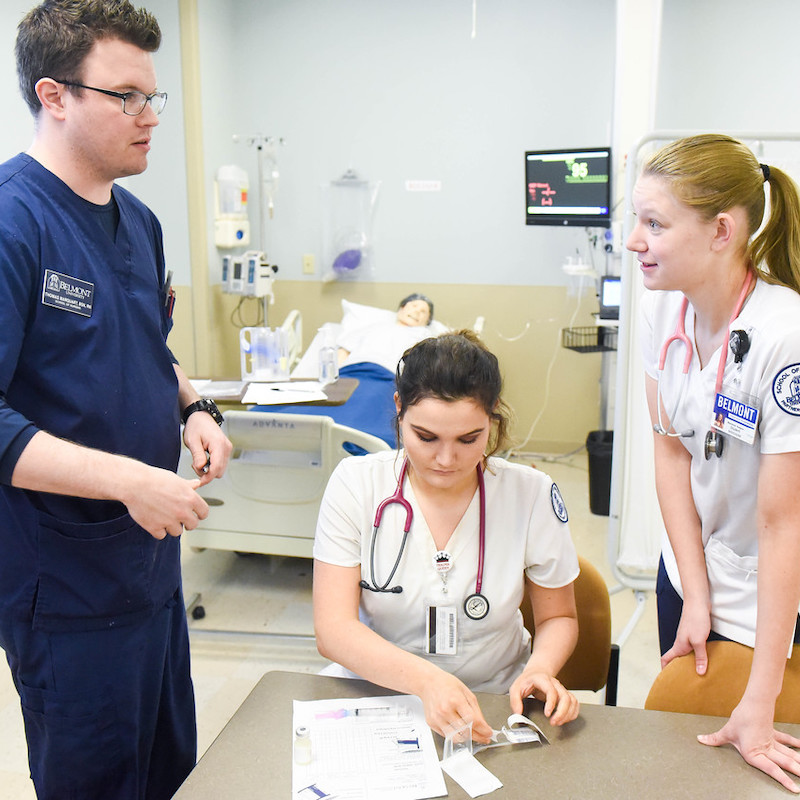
[(365, 748)]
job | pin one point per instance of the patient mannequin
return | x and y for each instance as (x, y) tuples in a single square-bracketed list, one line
[(385, 342), (414, 310)]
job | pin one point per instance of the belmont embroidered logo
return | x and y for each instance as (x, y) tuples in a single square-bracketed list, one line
[(559, 506), (67, 293), (786, 389)]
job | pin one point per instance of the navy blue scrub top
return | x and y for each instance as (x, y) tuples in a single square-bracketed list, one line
[(83, 356)]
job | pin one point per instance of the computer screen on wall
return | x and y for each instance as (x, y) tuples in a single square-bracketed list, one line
[(610, 296), (568, 187)]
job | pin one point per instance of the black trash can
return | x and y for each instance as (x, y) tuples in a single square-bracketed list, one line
[(599, 446)]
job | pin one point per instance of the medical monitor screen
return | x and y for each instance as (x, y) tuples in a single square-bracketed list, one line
[(610, 297), (568, 187)]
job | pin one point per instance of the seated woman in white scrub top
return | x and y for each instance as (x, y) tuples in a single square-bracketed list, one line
[(435, 612)]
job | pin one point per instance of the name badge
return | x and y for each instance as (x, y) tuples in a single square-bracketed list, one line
[(440, 629), (67, 293), (736, 414)]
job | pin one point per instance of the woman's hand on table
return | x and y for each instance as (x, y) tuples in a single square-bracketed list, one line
[(560, 705), (449, 705), (751, 732)]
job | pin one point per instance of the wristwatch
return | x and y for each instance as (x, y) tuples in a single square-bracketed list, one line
[(203, 405)]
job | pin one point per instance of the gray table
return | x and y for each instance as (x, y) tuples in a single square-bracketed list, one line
[(608, 752)]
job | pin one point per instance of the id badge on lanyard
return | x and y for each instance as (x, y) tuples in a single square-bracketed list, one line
[(441, 614), (736, 414), (441, 630)]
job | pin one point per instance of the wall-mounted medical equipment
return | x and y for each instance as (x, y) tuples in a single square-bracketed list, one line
[(249, 274), (348, 210), (568, 187), (231, 224)]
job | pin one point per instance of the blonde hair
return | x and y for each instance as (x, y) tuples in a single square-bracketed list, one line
[(713, 173)]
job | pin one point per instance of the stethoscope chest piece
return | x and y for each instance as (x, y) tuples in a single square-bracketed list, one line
[(476, 606), (714, 444)]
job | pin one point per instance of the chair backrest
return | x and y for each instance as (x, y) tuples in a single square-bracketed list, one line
[(588, 666), (678, 687)]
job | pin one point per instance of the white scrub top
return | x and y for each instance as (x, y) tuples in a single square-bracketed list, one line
[(725, 489), (523, 533)]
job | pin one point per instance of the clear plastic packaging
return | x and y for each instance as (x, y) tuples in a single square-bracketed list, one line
[(349, 207), (264, 354)]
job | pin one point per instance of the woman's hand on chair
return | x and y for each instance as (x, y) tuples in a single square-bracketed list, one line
[(751, 732), (449, 705), (560, 705)]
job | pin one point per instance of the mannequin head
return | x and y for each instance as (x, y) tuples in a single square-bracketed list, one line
[(415, 310)]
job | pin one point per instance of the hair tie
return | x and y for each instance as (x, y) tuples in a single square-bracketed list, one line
[(765, 170)]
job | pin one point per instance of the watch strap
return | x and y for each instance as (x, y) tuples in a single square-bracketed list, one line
[(203, 405)]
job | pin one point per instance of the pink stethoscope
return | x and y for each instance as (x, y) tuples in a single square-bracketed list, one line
[(714, 440), (476, 606)]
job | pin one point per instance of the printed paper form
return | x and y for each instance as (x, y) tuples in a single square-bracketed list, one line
[(271, 394), (366, 748), (219, 390)]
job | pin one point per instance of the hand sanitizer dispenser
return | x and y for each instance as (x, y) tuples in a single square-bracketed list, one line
[(328, 358)]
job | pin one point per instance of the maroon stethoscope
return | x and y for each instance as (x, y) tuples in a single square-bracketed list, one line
[(476, 606)]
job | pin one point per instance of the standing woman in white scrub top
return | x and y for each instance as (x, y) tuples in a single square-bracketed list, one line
[(727, 424), (435, 614)]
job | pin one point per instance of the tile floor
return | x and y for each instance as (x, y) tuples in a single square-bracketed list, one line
[(258, 618)]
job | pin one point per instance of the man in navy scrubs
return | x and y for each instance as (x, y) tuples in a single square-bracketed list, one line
[(91, 612)]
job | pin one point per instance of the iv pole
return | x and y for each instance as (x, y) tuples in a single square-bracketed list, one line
[(259, 141)]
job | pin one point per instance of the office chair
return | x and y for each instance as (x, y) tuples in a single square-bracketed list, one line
[(679, 688), (595, 661)]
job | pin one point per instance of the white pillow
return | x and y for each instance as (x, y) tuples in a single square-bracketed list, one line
[(356, 315)]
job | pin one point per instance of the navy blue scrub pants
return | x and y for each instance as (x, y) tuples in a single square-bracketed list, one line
[(109, 713), (670, 606)]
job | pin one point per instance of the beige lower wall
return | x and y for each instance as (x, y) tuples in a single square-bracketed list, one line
[(522, 327)]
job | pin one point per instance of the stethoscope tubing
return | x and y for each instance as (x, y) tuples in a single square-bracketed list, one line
[(680, 335), (397, 497)]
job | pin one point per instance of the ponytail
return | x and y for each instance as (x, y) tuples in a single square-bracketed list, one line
[(775, 252)]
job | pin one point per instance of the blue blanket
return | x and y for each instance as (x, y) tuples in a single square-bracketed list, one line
[(370, 408)]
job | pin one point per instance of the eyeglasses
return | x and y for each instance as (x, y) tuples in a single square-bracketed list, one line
[(133, 103)]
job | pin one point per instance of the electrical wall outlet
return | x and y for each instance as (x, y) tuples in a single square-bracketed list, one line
[(308, 264)]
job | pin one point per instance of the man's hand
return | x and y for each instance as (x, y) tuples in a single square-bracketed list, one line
[(162, 502), (209, 446)]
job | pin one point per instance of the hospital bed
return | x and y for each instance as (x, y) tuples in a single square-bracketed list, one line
[(268, 500), (371, 406)]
